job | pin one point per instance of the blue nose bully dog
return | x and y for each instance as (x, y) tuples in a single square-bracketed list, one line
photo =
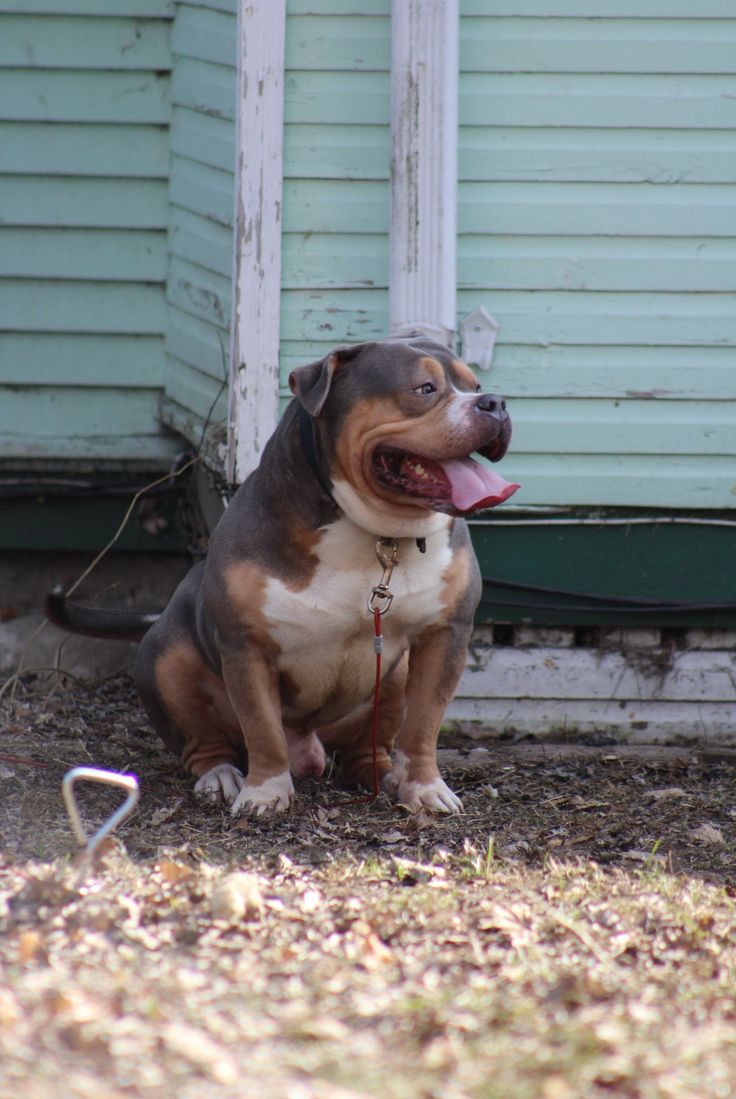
[(264, 656)]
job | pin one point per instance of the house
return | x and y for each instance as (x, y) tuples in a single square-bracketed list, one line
[(191, 204)]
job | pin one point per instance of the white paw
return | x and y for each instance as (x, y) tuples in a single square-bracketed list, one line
[(223, 783), (275, 795), (435, 794)]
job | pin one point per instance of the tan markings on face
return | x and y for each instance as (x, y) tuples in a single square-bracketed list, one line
[(440, 433), (432, 367), (464, 375), (196, 701), (455, 580), (370, 422)]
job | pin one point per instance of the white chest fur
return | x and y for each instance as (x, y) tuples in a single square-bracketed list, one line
[(325, 631)]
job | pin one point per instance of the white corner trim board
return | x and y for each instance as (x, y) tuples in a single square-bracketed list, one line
[(254, 360), (424, 113)]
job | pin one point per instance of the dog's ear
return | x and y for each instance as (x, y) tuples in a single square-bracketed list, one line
[(311, 384)]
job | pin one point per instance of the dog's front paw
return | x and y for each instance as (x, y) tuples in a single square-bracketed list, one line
[(223, 783), (275, 795), (435, 795), (432, 793)]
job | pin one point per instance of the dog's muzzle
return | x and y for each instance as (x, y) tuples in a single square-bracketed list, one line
[(493, 409)]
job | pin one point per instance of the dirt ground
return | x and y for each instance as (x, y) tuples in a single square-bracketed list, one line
[(573, 933), (613, 804)]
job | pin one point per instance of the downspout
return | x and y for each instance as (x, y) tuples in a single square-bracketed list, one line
[(424, 121)]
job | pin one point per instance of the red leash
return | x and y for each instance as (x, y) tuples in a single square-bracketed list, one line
[(387, 553), (378, 646)]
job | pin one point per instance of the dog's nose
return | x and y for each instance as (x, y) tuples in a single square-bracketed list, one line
[(489, 402)]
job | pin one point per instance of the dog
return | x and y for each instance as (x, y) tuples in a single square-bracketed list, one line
[(263, 660)]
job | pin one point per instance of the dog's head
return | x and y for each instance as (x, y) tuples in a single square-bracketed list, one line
[(399, 422)]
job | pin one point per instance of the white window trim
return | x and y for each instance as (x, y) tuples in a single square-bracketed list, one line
[(424, 120), (255, 336)]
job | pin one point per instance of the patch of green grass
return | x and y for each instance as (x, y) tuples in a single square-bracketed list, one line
[(477, 862)]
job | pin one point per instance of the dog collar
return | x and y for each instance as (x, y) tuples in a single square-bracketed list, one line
[(307, 437)]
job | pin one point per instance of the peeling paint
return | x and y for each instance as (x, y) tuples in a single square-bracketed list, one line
[(422, 283), (649, 394), (257, 273)]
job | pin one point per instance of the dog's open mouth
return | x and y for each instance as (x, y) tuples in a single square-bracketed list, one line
[(457, 485)]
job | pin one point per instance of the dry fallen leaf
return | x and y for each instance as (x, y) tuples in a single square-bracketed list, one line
[(582, 837), (310, 900), (174, 872), (666, 794), (29, 944), (374, 952), (324, 1028), (10, 1010), (392, 837), (166, 812), (409, 871), (707, 833), (201, 1051), (581, 803), (237, 897), (556, 1087)]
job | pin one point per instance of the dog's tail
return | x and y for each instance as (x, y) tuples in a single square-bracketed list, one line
[(118, 625)]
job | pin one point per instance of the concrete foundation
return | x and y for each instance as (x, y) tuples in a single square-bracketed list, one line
[(625, 686), (29, 643)]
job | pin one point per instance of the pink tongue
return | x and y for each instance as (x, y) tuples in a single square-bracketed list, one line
[(475, 487)]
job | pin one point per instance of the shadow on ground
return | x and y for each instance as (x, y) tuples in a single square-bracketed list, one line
[(619, 805)]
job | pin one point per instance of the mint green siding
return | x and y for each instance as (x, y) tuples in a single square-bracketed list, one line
[(596, 222), (116, 200), (597, 219), (201, 196), (336, 166), (84, 113)]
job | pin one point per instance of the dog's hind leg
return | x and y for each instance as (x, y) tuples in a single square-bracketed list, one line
[(189, 708)]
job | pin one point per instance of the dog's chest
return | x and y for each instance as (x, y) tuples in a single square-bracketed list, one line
[(325, 631)]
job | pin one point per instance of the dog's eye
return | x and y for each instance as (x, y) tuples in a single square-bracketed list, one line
[(426, 389), (477, 389)]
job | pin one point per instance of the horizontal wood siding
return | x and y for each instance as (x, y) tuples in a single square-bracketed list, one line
[(336, 165), (650, 695), (201, 197), (84, 114), (597, 223)]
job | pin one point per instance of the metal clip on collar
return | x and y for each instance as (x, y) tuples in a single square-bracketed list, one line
[(387, 552)]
